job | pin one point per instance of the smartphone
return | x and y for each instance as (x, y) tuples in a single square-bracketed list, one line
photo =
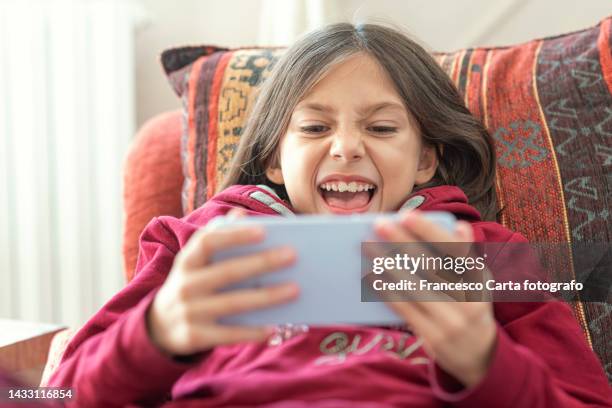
[(327, 269)]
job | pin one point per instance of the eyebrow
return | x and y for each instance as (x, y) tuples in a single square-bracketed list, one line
[(366, 110)]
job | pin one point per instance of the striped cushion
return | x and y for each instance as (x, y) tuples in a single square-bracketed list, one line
[(547, 102)]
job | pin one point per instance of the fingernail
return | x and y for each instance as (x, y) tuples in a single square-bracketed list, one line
[(383, 225), (409, 217), (382, 222), (257, 232), (463, 229), (410, 214), (291, 289), (287, 254), (404, 213)]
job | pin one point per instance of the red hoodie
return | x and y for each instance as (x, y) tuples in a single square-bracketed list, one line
[(541, 358)]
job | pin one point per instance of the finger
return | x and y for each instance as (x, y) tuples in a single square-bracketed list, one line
[(420, 323), (443, 241), (204, 337), (437, 314), (389, 231), (479, 276), (464, 232), (394, 232), (421, 295), (423, 227), (218, 335), (376, 249), (234, 270), (372, 255), (203, 244), (236, 213), (456, 316), (371, 249), (244, 300)]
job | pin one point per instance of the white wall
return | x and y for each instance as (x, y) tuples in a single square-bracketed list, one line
[(441, 24), (230, 23), (446, 25)]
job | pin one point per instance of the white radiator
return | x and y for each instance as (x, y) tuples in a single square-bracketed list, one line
[(66, 118)]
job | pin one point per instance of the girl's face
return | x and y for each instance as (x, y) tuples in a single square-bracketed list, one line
[(351, 146)]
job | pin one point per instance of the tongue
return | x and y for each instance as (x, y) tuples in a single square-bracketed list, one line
[(346, 200)]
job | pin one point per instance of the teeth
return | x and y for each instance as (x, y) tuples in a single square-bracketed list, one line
[(352, 187)]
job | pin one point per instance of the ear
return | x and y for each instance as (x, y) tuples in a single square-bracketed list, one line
[(428, 163), (275, 174)]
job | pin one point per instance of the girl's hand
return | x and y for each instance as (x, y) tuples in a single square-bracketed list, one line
[(183, 317), (459, 336)]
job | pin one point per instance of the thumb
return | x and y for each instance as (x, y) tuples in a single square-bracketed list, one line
[(236, 213), (464, 231)]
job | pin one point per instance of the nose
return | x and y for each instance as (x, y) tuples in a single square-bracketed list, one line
[(348, 146)]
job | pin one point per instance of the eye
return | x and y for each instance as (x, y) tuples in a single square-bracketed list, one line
[(383, 129), (314, 129)]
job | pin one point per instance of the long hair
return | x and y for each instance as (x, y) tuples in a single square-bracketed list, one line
[(465, 150)]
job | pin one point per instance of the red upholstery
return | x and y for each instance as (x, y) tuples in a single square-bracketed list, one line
[(153, 180)]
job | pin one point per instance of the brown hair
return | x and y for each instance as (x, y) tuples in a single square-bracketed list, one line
[(465, 149)]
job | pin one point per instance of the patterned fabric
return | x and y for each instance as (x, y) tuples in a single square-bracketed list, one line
[(547, 103)]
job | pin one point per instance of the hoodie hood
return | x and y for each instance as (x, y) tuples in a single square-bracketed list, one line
[(443, 198), (262, 200)]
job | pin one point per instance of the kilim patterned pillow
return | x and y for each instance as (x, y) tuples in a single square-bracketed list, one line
[(547, 102)]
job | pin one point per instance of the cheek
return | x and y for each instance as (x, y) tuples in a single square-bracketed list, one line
[(397, 164), (299, 150), (396, 160), (398, 179), (299, 164), (293, 156), (299, 161)]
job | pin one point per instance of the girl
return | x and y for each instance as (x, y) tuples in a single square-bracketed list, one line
[(352, 119)]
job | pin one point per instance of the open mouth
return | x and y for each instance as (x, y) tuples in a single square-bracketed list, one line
[(347, 197)]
